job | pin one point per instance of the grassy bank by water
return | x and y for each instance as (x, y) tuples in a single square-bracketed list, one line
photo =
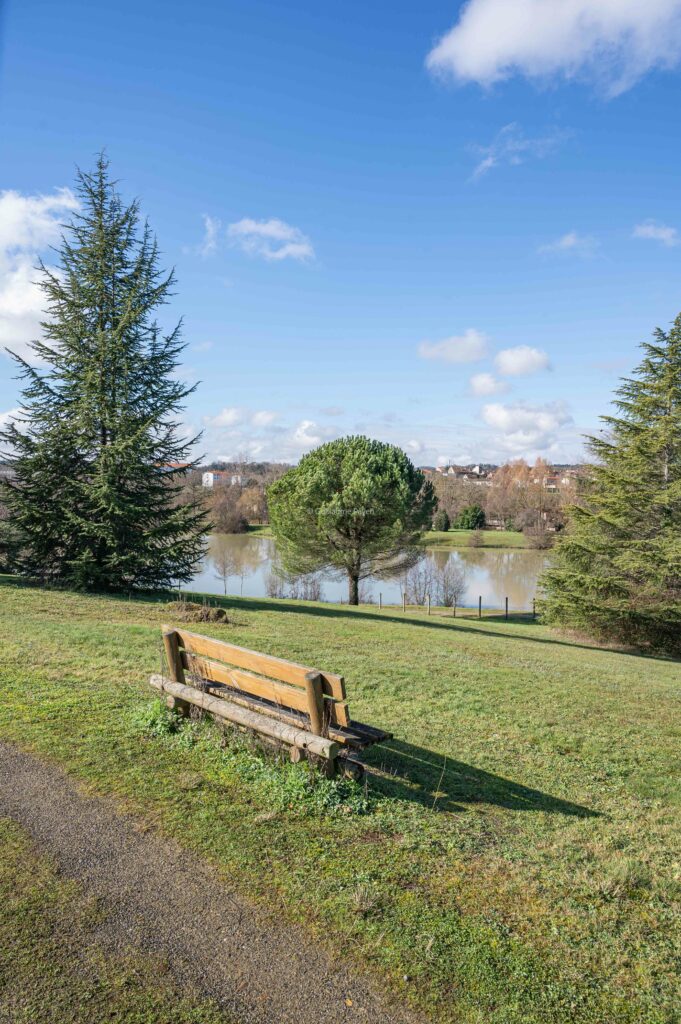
[(446, 539), (462, 539), (518, 860)]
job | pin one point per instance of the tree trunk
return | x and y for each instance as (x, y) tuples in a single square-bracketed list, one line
[(353, 588)]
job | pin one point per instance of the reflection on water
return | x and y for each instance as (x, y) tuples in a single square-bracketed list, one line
[(241, 564)]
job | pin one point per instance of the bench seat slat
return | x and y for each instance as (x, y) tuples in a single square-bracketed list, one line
[(348, 737)]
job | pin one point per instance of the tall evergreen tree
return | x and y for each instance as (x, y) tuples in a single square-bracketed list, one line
[(95, 502), (616, 572)]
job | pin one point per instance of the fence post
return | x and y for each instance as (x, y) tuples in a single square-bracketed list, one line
[(507, 609), (454, 610), (429, 604), (404, 602), (380, 600), (480, 607), (534, 613)]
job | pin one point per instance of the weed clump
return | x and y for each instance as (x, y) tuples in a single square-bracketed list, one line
[(192, 611), (280, 785)]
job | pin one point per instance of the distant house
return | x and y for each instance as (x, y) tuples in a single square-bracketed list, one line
[(6, 472), (220, 477), (173, 467), (469, 474)]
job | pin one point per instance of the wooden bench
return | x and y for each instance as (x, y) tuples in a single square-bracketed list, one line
[(304, 709)]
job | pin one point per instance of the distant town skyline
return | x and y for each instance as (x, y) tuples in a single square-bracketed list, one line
[(386, 221)]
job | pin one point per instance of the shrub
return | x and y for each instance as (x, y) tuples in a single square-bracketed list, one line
[(441, 521), (470, 518)]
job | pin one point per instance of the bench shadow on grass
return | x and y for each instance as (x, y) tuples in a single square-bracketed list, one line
[(407, 772)]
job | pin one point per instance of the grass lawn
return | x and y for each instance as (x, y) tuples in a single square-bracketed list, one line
[(520, 859), (445, 539), (52, 967), (462, 539)]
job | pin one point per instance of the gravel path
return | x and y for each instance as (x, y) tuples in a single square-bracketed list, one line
[(160, 898)]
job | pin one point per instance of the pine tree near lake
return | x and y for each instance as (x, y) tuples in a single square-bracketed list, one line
[(352, 506), (616, 571), (95, 502)]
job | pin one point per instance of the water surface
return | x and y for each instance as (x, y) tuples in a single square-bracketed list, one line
[(241, 564)]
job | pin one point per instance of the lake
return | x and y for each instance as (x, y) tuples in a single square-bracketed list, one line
[(490, 573)]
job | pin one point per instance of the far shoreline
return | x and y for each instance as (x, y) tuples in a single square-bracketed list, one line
[(508, 540)]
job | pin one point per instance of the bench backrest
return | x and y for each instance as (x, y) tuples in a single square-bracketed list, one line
[(284, 683)]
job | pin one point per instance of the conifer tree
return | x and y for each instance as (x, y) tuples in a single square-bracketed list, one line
[(616, 572), (95, 502)]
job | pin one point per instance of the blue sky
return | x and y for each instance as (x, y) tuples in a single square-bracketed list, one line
[(448, 226)]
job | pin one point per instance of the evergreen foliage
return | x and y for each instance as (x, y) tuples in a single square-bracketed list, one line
[(441, 521), (470, 518), (616, 570), (354, 506), (95, 503)]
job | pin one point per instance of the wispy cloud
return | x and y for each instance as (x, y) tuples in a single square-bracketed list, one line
[(511, 147), (272, 240), (610, 42), (227, 417), (263, 418), (484, 384), (572, 242), (521, 361), (468, 347), (211, 234), (656, 232)]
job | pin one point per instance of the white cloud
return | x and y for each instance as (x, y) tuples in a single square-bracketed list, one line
[(520, 361), (657, 232), (510, 146), (611, 42), (525, 429), (468, 347), (211, 232), (273, 239), (572, 242), (7, 417), (263, 418), (28, 225), (227, 417), (202, 346), (483, 384), (308, 434), (414, 447)]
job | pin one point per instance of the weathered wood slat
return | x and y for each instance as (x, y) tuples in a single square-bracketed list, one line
[(228, 711), (333, 685), (269, 689), (347, 737)]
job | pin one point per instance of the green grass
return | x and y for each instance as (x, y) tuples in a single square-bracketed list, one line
[(462, 539), (519, 861), (445, 539), (261, 529), (52, 967)]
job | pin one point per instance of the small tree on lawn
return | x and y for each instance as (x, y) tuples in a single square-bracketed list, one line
[(441, 521), (470, 518), (95, 502), (616, 569), (354, 506)]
